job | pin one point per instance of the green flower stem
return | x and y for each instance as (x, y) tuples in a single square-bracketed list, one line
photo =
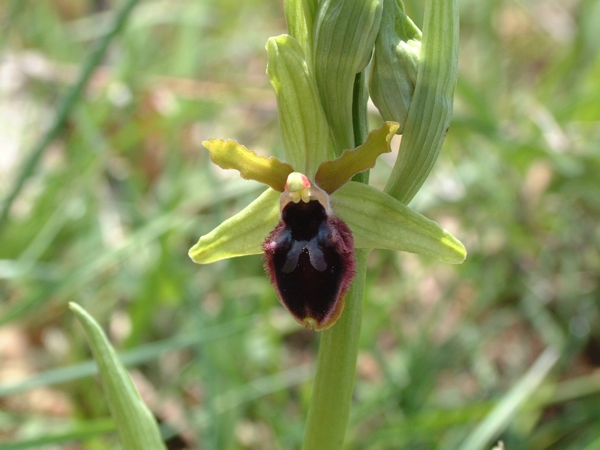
[(360, 119), (336, 365)]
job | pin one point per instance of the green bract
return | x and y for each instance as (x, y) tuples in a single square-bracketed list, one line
[(431, 106), (299, 15), (344, 36)]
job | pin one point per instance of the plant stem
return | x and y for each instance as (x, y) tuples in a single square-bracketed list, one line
[(334, 381)]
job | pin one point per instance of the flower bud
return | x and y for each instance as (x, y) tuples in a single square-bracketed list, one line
[(395, 63)]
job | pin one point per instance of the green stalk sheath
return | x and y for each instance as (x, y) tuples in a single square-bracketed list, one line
[(64, 108), (336, 365)]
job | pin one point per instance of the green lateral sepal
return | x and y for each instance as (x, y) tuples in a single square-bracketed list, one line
[(377, 220), (242, 234)]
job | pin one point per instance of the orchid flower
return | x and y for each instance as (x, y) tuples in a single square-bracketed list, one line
[(312, 216)]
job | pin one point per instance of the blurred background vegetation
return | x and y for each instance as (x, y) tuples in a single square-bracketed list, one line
[(448, 353)]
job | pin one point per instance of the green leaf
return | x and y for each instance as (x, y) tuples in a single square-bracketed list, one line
[(431, 107), (300, 15), (334, 174), (377, 220), (345, 34), (243, 234), (231, 155), (135, 423), (395, 63), (303, 125)]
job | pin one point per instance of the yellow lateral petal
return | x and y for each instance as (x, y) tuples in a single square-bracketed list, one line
[(334, 174), (231, 155)]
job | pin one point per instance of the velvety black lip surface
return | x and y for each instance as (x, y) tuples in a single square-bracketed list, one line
[(304, 220), (310, 259)]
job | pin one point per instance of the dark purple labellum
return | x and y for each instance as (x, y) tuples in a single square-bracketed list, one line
[(310, 259)]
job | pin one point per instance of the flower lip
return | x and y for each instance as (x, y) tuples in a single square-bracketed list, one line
[(309, 257)]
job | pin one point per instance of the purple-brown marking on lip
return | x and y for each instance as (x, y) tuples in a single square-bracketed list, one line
[(310, 260)]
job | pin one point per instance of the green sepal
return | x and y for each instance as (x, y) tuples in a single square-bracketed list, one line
[(135, 423), (299, 16), (377, 220), (431, 106), (242, 234), (395, 63), (231, 155), (334, 174), (345, 33), (304, 129)]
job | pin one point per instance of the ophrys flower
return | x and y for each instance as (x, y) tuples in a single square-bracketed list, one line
[(308, 229), (312, 217)]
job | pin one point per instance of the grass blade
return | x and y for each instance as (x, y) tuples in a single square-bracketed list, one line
[(133, 357), (501, 415), (63, 110), (135, 423)]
